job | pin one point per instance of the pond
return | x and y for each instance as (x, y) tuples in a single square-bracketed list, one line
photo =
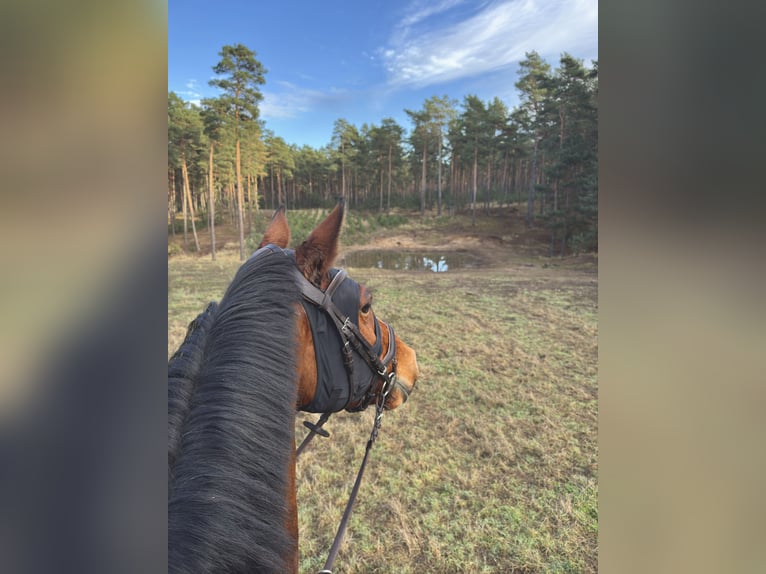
[(437, 262)]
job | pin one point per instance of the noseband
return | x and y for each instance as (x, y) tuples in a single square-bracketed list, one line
[(334, 316)]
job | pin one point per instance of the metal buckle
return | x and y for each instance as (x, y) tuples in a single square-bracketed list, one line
[(388, 385)]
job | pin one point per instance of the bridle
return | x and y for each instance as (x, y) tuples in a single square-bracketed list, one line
[(356, 351), (344, 316)]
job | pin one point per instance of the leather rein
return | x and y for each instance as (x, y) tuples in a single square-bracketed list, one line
[(352, 341)]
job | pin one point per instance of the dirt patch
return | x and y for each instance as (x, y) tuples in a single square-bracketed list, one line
[(414, 241), (498, 239)]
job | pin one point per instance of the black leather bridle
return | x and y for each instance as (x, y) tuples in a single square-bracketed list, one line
[(361, 360), (341, 306)]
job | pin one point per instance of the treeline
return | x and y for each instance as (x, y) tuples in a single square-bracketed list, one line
[(455, 155)]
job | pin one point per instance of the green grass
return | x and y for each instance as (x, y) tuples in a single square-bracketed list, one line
[(492, 464)]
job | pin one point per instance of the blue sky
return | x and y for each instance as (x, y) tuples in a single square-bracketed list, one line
[(366, 60)]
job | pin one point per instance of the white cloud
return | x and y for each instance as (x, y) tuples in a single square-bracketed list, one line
[(281, 106), (293, 101), (191, 93), (428, 47), (422, 10)]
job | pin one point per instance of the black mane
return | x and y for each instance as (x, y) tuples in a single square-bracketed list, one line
[(231, 407), (183, 369)]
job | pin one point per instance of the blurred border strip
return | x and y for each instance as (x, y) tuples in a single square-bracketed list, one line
[(682, 270), (83, 289)]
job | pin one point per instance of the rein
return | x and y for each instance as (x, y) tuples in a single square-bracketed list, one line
[(387, 386), (352, 339)]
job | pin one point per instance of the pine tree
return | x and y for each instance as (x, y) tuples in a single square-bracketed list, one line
[(241, 75), (345, 138), (533, 87), (440, 111), (185, 140)]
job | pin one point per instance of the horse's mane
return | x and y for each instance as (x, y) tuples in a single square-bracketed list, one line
[(183, 369), (231, 409)]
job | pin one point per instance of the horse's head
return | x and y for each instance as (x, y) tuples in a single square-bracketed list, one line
[(324, 381)]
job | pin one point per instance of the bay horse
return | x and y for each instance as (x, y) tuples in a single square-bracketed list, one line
[(234, 385)]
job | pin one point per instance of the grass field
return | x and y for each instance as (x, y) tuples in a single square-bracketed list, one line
[(492, 464)]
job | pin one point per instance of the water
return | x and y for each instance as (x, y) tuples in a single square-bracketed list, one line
[(411, 261)]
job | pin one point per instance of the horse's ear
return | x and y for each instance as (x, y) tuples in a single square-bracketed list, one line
[(278, 232), (315, 256)]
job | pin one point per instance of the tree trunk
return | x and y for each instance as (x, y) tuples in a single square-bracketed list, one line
[(183, 207), (380, 208), (504, 180), (232, 205), (202, 202), (523, 176), (542, 181), (486, 192), (564, 230), (389, 178), (531, 197), (256, 207), (173, 201), (556, 216), (553, 242), (439, 179), (475, 177), (211, 201), (512, 188), (249, 205), (271, 181), (453, 182), (342, 171), (189, 202), (556, 183), (423, 182), (240, 201), (354, 189)]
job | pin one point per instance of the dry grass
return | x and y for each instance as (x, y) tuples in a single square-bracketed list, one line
[(492, 465)]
